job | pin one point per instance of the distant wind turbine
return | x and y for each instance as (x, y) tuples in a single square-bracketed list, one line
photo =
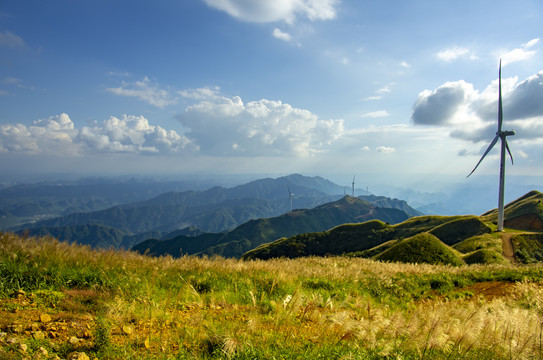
[(290, 195), (353, 185), (503, 136)]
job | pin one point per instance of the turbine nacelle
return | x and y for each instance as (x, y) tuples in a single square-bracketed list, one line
[(505, 133)]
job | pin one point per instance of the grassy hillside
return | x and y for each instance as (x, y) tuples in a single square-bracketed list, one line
[(470, 235), (59, 300), (422, 248), (256, 232), (525, 213), (371, 238)]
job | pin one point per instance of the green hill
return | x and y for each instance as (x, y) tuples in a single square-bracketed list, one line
[(433, 239), (525, 213), (256, 232), (421, 248), (370, 239)]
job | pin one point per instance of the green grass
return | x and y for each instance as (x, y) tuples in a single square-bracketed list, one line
[(422, 248), (216, 308), (528, 248)]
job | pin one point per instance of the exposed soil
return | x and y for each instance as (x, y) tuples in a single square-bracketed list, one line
[(491, 289), (526, 222), (507, 247)]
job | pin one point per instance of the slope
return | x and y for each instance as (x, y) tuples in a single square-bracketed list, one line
[(371, 238), (256, 232), (525, 213), (213, 210)]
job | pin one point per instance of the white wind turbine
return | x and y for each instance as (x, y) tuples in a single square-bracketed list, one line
[(503, 136), (290, 195), (353, 185)]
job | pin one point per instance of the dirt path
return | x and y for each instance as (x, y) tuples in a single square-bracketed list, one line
[(507, 247)]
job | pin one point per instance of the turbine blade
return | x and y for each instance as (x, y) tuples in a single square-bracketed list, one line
[(288, 187), (509, 151), (486, 152), (500, 111)]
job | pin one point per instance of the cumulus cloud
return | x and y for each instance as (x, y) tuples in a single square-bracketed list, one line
[(440, 106), (58, 135), (9, 39), (146, 91), (472, 115), (223, 125), (385, 149), (524, 52), (278, 34), (276, 10)]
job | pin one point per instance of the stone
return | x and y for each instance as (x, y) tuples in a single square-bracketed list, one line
[(78, 356), (45, 318), (42, 351), (127, 330), (38, 335)]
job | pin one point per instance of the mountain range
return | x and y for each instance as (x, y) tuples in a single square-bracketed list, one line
[(215, 210), (253, 233)]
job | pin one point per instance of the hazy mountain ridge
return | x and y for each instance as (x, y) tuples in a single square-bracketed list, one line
[(256, 232), (30, 203), (215, 210)]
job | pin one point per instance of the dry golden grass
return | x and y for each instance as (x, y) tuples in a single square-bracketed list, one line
[(161, 308)]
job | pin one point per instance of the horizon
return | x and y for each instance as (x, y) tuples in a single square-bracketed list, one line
[(396, 94)]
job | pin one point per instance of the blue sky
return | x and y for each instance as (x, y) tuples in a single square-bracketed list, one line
[(394, 90)]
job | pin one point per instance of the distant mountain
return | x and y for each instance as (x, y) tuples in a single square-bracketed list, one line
[(31, 203), (428, 239), (256, 232), (213, 210), (95, 236)]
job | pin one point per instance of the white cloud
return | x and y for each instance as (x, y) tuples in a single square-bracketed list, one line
[(452, 53), (385, 89), (405, 64), (146, 91), (9, 39), (518, 54), (58, 135), (472, 115), (223, 125), (376, 114), (385, 149), (277, 33), (276, 10), (440, 106)]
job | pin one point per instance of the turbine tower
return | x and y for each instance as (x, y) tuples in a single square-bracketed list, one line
[(290, 195), (502, 135), (353, 185)]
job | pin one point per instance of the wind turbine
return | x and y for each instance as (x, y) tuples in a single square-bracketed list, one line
[(291, 195), (353, 185), (503, 136)]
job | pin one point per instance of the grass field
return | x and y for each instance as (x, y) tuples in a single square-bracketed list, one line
[(58, 301)]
